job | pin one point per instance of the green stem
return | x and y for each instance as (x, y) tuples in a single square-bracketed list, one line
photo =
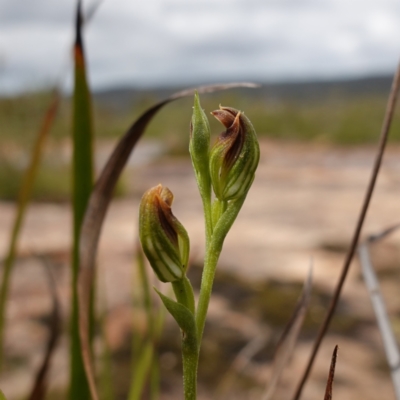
[(186, 321), (190, 356), (210, 264), (213, 251)]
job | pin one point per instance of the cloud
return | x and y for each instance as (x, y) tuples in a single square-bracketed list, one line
[(171, 41), (17, 12)]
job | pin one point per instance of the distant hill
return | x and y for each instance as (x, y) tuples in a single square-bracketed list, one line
[(307, 90)]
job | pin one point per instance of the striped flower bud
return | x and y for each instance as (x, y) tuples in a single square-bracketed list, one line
[(234, 157), (164, 240)]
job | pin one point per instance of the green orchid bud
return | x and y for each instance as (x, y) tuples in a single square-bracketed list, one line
[(235, 156), (164, 240), (199, 146)]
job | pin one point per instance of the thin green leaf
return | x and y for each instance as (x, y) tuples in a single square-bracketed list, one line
[(106, 383), (142, 370), (159, 321), (82, 170), (154, 380), (39, 388), (98, 206), (24, 196), (146, 287), (2, 397)]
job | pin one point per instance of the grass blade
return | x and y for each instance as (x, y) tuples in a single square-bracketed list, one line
[(390, 108), (287, 342), (142, 348), (97, 208), (146, 287), (23, 200), (154, 380), (382, 318), (107, 388), (82, 170), (142, 370), (106, 382), (38, 390), (329, 384), (144, 364)]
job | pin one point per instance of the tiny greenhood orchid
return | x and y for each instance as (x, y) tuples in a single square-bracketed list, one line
[(164, 239), (235, 156)]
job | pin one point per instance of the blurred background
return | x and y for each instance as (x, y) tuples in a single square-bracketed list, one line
[(325, 70)]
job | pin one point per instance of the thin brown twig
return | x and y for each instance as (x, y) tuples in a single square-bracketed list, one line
[(381, 235), (329, 383), (368, 195)]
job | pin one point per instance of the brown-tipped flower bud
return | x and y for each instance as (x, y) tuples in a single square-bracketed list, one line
[(235, 156), (164, 240)]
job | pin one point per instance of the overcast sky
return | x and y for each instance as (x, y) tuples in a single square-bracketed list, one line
[(161, 42)]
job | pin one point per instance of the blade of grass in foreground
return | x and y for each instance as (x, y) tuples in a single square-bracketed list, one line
[(106, 382), (23, 200), (97, 208), (82, 170), (39, 388), (143, 348), (142, 370)]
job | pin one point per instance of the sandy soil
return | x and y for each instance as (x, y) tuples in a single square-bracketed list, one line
[(303, 204)]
